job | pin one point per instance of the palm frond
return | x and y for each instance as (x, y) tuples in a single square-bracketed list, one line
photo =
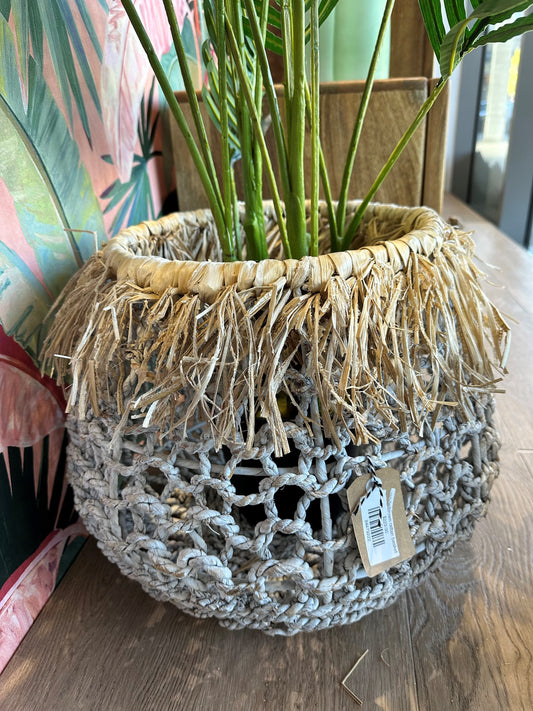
[(5, 8), (466, 29), (460, 39), (40, 166), (37, 23), (133, 198), (273, 38), (211, 97), (506, 31), (433, 21)]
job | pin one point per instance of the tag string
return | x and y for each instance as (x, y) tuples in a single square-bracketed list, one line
[(374, 482)]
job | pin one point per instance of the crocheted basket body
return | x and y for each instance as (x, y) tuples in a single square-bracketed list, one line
[(219, 412)]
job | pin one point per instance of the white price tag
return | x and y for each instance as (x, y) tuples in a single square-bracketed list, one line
[(378, 526)]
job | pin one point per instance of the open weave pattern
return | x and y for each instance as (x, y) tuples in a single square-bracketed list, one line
[(269, 544)]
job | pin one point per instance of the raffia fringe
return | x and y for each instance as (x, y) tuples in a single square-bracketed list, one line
[(398, 326)]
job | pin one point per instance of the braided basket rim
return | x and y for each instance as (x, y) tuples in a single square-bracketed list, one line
[(127, 254)]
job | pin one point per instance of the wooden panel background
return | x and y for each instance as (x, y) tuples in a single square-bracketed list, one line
[(436, 122), (393, 105), (411, 52)]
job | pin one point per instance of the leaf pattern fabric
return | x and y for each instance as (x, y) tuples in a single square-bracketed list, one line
[(80, 155), (125, 73)]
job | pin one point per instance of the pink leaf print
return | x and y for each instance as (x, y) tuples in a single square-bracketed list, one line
[(125, 72), (30, 410), (24, 594)]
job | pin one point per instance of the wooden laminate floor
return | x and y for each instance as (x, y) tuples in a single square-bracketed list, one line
[(463, 640)]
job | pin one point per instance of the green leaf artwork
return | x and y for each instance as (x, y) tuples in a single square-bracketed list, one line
[(134, 197), (52, 194), (53, 22)]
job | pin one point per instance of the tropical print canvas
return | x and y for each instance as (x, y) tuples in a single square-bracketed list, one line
[(82, 154)]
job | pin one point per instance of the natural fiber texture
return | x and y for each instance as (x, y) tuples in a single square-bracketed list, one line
[(398, 326), (220, 411), (269, 544)]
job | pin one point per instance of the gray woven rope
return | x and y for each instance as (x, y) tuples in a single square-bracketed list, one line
[(218, 412), (269, 545)]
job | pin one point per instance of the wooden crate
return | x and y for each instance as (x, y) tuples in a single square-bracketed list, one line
[(416, 179)]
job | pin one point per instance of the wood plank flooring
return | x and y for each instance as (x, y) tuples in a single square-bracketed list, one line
[(463, 640)]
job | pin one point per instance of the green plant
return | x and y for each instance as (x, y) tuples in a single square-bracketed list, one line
[(240, 33)]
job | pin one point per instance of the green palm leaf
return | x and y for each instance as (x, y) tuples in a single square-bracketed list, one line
[(88, 23), (273, 39), (211, 92), (36, 32), (467, 30), (52, 194), (459, 41), (433, 20), (455, 11), (506, 32), (37, 21), (134, 197), (211, 98)]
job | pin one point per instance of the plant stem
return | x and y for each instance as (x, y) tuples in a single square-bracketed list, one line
[(258, 91), (404, 140), (270, 90), (295, 113), (358, 127), (286, 34), (253, 222), (236, 219), (256, 123), (227, 182), (315, 128), (262, 21), (210, 186), (190, 89)]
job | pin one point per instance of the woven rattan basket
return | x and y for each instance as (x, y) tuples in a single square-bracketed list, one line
[(218, 412)]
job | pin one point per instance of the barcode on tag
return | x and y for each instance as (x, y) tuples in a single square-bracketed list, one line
[(377, 535), (378, 526), (379, 521)]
